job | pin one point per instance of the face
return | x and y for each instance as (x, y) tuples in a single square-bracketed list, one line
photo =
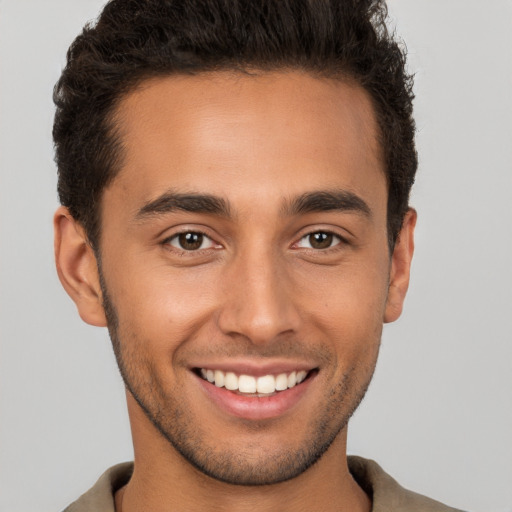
[(245, 266)]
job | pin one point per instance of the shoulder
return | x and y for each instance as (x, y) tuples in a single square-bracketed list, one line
[(386, 493), (100, 497)]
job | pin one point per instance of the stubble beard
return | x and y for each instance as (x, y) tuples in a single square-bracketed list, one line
[(253, 465)]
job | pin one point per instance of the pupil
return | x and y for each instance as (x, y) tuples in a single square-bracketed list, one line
[(320, 240), (191, 241)]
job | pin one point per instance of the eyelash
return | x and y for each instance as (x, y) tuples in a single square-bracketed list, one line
[(306, 237), (176, 236), (334, 237)]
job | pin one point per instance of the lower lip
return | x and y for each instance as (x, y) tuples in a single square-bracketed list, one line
[(253, 407)]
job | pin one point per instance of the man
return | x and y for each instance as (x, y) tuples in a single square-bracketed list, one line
[(234, 179)]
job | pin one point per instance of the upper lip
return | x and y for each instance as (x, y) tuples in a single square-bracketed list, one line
[(256, 368)]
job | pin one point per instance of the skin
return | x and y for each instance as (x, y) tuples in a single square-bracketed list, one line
[(256, 291)]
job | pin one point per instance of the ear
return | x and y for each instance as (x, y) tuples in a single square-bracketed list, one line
[(400, 268), (77, 267)]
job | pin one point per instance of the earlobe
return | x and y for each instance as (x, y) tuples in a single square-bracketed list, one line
[(77, 268), (400, 268)]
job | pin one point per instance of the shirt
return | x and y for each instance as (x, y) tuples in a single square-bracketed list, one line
[(385, 492)]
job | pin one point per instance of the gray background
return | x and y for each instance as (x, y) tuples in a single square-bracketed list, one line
[(439, 412)]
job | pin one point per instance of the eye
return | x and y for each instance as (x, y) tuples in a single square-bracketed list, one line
[(319, 240), (190, 241)]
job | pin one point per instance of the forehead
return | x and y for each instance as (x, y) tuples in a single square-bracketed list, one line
[(239, 136)]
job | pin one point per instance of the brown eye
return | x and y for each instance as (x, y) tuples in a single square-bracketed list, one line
[(190, 241), (319, 240)]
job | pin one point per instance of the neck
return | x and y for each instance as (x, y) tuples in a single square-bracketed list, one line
[(163, 480)]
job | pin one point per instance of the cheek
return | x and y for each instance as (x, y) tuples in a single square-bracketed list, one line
[(161, 305), (345, 307), (353, 295)]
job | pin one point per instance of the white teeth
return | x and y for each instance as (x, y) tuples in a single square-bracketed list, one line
[(301, 376), (281, 382), (264, 385), (219, 378), (231, 381), (246, 384)]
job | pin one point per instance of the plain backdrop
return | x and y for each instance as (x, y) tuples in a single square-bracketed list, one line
[(438, 415)]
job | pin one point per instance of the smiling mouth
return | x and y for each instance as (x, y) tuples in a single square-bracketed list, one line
[(248, 385)]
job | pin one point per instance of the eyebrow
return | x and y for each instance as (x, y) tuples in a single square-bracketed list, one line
[(327, 200), (310, 202), (195, 203)]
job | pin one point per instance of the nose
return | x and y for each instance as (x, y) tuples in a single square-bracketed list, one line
[(258, 299)]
